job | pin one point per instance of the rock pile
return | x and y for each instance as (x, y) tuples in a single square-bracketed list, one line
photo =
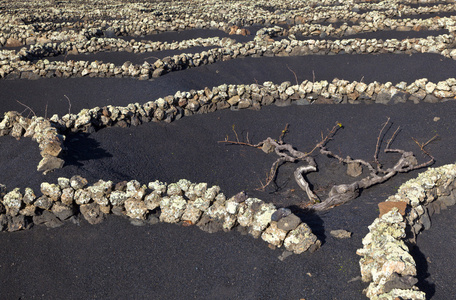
[(182, 202), (386, 261), (40, 130)]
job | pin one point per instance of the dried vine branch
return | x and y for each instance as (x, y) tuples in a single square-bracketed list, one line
[(341, 193)]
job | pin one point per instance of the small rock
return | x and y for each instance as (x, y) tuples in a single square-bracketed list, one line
[(289, 222), (49, 164), (354, 169), (301, 239), (47, 218), (273, 235), (158, 72), (62, 211), (207, 224), (43, 202), (399, 282), (341, 234), (77, 182), (425, 220), (17, 223), (448, 200), (285, 254), (280, 213), (92, 213), (13, 202), (386, 207), (267, 147), (431, 99), (240, 197), (136, 209)]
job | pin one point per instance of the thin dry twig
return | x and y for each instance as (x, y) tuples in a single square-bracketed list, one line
[(377, 146), (235, 133), (26, 107), (46, 110), (284, 132), (69, 104), (294, 73)]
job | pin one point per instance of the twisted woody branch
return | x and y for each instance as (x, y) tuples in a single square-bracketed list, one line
[(341, 193)]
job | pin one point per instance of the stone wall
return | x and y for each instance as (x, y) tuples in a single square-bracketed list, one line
[(23, 64), (182, 202), (86, 19), (386, 261), (50, 133)]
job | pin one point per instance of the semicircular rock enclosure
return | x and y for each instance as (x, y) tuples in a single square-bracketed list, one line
[(126, 72)]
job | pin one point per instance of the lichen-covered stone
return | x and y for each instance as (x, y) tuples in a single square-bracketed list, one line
[(274, 235), (200, 189), (117, 198), (13, 202), (220, 199), (300, 239), (229, 221), (261, 219), (51, 190), (216, 211), (158, 186), (231, 206), (28, 211), (67, 196), (191, 214), (77, 182), (247, 210), (152, 200), (63, 182), (135, 209), (135, 190), (174, 190), (211, 193), (100, 190), (43, 202), (402, 294), (29, 196), (82, 196), (202, 203), (190, 192), (184, 185), (172, 208)]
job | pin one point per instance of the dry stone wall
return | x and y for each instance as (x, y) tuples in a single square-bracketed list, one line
[(182, 202), (386, 260), (50, 133), (23, 64)]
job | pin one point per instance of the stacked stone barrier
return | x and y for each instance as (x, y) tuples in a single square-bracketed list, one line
[(134, 19), (41, 130), (387, 263), (182, 202), (50, 133), (15, 66)]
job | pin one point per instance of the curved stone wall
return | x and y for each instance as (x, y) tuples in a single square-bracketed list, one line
[(387, 263)]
